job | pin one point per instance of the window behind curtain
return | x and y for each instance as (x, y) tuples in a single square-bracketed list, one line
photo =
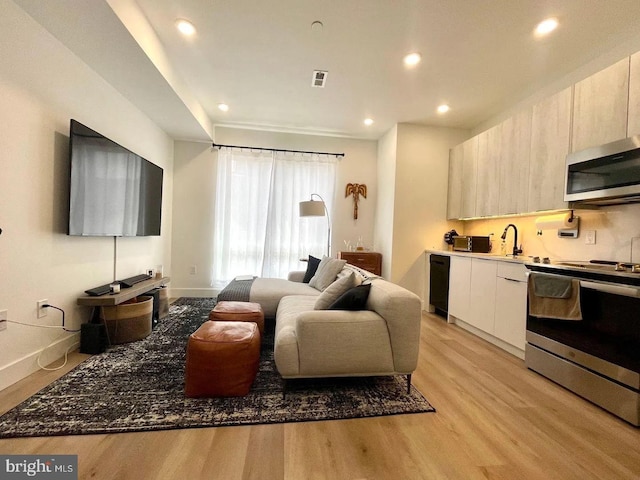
[(258, 230)]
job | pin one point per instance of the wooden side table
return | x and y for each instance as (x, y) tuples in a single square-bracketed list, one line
[(370, 261)]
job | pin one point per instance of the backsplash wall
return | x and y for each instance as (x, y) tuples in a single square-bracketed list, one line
[(615, 227)]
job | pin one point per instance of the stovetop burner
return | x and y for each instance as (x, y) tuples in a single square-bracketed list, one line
[(603, 270), (604, 265)]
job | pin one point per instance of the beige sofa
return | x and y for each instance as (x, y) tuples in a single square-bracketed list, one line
[(381, 340)]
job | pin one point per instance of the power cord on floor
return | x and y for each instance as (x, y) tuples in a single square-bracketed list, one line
[(66, 357), (63, 327)]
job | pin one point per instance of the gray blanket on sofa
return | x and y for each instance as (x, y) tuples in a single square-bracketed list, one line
[(236, 291)]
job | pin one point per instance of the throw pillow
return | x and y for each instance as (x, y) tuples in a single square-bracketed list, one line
[(333, 292), (327, 272), (353, 299), (312, 267)]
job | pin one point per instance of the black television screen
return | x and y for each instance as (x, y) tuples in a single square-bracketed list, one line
[(113, 192)]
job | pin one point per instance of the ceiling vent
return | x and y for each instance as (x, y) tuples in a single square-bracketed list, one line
[(319, 78)]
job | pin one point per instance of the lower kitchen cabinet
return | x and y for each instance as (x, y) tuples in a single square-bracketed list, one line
[(491, 297), (459, 286), (482, 294), (511, 312)]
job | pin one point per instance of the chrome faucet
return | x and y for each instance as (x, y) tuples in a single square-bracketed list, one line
[(516, 250)]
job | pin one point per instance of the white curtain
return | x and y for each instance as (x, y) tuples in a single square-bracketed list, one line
[(258, 230)]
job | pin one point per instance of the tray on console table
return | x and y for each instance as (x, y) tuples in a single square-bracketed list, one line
[(124, 295), (370, 261)]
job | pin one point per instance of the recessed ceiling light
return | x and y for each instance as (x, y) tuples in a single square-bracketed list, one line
[(545, 27), (223, 106), (412, 59), (185, 27), (368, 121), (444, 108)]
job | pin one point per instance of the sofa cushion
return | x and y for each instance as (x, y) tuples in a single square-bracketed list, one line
[(312, 268), (334, 291), (327, 272), (353, 299), (268, 292)]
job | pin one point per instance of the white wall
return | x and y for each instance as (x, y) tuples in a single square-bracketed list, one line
[(42, 86), (387, 149), (420, 202), (413, 172), (194, 200)]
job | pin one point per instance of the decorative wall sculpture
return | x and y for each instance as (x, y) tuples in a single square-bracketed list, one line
[(356, 189)]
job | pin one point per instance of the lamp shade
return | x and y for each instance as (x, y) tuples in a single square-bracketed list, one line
[(312, 208)]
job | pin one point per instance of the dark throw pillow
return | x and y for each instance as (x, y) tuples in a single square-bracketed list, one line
[(353, 299), (312, 267)]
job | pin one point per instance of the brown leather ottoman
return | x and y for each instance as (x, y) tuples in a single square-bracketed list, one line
[(238, 312), (222, 359)]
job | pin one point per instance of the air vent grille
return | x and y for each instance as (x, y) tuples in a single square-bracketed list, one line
[(319, 78)]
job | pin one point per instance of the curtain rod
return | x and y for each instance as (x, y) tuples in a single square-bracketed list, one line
[(218, 145)]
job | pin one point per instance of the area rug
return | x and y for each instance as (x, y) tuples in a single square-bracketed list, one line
[(140, 387)]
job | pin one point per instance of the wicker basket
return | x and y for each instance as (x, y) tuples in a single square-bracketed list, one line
[(129, 321), (164, 303)]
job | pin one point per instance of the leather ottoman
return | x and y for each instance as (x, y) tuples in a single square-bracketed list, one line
[(238, 312), (222, 359)]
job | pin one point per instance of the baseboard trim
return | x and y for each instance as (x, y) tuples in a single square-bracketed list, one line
[(194, 292), (25, 366), (513, 350)]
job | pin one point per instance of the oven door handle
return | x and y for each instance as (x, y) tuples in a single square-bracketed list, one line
[(611, 288)]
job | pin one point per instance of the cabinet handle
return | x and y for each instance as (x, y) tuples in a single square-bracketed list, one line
[(512, 280)]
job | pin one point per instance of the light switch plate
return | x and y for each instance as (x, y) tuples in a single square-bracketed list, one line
[(590, 237)]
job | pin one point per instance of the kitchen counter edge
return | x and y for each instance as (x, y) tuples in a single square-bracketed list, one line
[(484, 256)]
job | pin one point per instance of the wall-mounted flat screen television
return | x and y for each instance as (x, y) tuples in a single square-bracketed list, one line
[(113, 192)]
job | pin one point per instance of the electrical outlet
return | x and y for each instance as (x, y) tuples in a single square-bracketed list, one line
[(590, 237), (42, 311), (193, 270), (3, 319)]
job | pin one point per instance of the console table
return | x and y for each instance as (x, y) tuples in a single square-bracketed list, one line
[(370, 261), (124, 295)]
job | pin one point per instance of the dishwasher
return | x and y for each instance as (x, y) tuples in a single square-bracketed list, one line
[(439, 283)]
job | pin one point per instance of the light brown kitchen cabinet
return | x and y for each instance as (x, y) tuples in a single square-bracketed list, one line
[(515, 149), (633, 127), (488, 166), (469, 177), (550, 131), (600, 107), (454, 193)]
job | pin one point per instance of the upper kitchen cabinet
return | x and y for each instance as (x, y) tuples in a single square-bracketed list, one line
[(550, 131), (469, 177), (600, 107), (515, 149), (454, 194), (634, 96), (488, 165)]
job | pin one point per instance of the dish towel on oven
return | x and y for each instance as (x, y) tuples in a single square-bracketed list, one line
[(556, 297)]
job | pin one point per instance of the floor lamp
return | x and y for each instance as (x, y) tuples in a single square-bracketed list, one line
[(317, 208)]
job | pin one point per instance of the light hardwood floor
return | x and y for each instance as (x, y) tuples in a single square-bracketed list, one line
[(495, 420)]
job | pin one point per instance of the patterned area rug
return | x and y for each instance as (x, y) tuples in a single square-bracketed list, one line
[(140, 387)]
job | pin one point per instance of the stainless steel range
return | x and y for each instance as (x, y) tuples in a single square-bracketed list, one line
[(597, 357)]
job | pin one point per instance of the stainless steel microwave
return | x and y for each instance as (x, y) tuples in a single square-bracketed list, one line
[(604, 175), (467, 243)]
